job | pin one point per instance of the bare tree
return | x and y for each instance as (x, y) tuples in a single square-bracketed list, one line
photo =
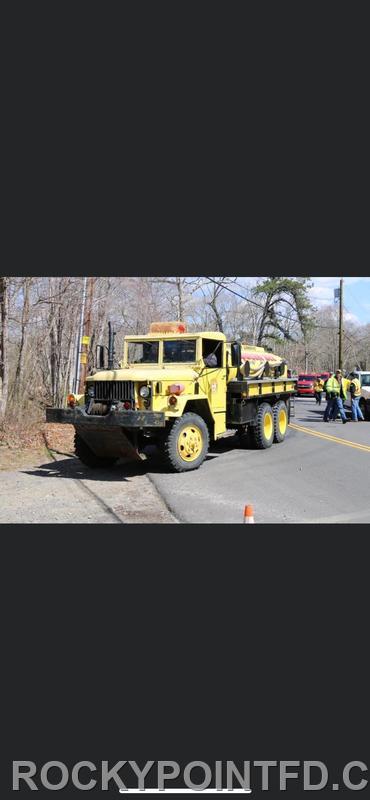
[(24, 329), (182, 289), (39, 333), (4, 366), (214, 289), (279, 294)]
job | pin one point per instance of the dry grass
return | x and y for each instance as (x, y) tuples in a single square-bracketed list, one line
[(25, 440), (59, 438)]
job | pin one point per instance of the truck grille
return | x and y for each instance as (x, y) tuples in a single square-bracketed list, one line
[(114, 390)]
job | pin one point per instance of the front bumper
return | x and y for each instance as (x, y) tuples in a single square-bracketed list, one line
[(115, 419)]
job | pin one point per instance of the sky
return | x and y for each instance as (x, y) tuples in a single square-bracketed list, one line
[(356, 296)]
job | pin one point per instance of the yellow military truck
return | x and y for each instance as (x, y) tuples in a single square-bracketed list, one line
[(181, 391)]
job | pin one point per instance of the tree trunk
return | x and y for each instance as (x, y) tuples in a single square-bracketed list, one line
[(180, 298), (262, 325), (264, 321), (217, 314), (67, 362), (53, 342), (4, 366), (23, 342)]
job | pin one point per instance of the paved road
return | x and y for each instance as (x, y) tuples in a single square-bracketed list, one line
[(320, 473)]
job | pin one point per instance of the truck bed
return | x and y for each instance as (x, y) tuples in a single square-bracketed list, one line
[(244, 397)]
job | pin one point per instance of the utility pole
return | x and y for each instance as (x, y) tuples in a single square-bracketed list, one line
[(86, 336), (306, 360), (340, 354), (80, 334)]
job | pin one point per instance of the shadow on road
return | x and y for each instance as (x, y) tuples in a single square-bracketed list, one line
[(72, 468), (306, 419), (316, 413), (317, 410)]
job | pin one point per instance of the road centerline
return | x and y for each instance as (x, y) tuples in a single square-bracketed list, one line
[(328, 437)]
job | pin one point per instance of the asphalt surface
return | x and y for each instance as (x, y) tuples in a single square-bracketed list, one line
[(320, 473)]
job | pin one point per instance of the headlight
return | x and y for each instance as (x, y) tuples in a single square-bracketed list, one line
[(91, 391), (144, 391)]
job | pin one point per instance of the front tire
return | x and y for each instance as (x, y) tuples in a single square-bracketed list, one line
[(264, 427), (186, 443), (88, 457), (280, 421)]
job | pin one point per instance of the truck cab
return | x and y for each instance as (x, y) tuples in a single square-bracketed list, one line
[(170, 370)]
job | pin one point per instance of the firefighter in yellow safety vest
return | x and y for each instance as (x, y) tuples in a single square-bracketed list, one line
[(318, 388), (336, 389), (355, 390)]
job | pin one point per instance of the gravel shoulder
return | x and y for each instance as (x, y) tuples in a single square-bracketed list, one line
[(60, 489), (318, 474)]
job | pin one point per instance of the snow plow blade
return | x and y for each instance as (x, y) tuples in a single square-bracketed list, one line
[(112, 435)]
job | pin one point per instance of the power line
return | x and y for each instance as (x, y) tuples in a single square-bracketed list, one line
[(357, 301), (247, 299), (258, 305), (357, 341)]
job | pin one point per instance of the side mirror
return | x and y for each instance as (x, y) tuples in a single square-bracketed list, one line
[(236, 354)]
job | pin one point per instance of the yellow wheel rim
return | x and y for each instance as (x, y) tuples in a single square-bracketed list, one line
[(190, 443), (282, 421), (268, 426)]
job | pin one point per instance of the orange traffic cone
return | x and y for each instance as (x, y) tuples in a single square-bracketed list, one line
[(248, 515)]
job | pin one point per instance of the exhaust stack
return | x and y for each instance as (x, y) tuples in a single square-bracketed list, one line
[(111, 352)]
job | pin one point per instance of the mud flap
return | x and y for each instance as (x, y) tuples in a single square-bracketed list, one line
[(109, 443)]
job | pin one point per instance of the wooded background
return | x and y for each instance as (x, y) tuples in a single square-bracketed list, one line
[(40, 330)]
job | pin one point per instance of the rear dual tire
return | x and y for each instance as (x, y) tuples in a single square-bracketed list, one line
[(263, 430), (271, 425), (281, 419)]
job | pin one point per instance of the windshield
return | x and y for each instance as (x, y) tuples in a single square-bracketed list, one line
[(365, 380), (307, 377), (179, 351), (143, 352)]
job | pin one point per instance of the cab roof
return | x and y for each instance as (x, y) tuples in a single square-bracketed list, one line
[(216, 335)]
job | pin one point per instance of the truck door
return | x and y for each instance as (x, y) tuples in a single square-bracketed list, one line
[(214, 373)]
